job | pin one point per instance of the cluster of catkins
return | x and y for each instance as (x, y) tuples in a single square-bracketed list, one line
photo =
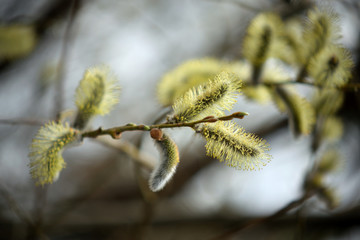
[(203, 89)]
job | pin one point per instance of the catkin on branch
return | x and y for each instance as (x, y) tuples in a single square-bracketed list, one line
[(96, 94), (210, 99), (230, 143), (166, 168), (46, 161)]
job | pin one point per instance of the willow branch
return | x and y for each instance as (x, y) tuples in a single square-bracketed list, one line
[(116, 131), (59, 97), (22, 121), (348, 87)]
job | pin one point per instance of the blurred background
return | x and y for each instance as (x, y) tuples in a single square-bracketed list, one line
[(100, 194)]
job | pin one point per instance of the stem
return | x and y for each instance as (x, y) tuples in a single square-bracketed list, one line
[(116, 131), (347, 87), (59, 97), (23, 121), (302, 74), (256, 74)]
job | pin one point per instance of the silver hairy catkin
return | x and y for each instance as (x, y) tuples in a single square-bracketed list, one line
[(166, 168)]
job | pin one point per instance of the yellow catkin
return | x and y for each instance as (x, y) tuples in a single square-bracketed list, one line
[(276, 73), (293, 38), (230, 143), (321, 29), (301, 112), (190, 74), (330, 198), (242, 69), (331, 129), (96, 94), (16, 41), (209, 99), (259, 40), (331, 67), (271, 73), (259, 93), (327, 101), (46, 161), (329, 161), (166, 168)]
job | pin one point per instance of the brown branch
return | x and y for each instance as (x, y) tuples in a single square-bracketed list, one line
[(116, 131)]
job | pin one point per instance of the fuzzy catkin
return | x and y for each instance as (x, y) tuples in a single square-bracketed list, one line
[(188, 75), (210, 99), (259, 40), (46, 161), (331, 67), (230, 143), (96, 94), (301, 112), (321, 29), (166, 168)]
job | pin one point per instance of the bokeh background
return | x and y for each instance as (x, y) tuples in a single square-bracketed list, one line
[(98, 194)]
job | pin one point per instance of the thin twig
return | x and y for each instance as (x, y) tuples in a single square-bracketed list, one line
[(116, 131), (59, 98), (23, 121), (348, 87)]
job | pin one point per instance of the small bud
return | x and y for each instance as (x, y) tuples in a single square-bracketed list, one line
[(116, 135), (156, 134), (208, 117), (212, 120), (226, 118), (145, 127), (131, 124), (240, 115)]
